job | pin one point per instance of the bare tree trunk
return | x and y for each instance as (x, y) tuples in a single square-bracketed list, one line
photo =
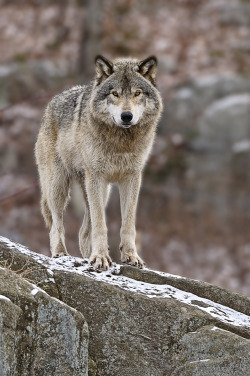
[(91, 38)]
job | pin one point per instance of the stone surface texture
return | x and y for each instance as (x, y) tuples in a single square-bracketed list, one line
[(140, 322), (39, 335)]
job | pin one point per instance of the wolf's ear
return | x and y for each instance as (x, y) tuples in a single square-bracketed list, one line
[(104, 68), (148, 67)]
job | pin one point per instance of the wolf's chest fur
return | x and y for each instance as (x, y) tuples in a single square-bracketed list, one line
[(111, 152)]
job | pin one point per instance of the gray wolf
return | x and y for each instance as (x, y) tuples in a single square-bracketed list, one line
[(99, 134)]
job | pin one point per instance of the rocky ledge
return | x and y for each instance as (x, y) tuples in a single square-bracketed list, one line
[(62, 317)]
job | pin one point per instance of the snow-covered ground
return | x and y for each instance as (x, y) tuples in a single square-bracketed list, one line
[(112, 276)]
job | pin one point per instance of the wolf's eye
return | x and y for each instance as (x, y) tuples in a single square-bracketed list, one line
[(137, 93), (115, 93)]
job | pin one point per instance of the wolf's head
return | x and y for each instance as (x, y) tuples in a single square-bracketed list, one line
[(124, 92)]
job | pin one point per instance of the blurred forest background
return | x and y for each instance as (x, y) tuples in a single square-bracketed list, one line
[(194, 208)]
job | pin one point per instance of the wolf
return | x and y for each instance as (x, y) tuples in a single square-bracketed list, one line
[(99, 134)]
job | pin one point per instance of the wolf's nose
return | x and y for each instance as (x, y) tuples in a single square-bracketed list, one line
[(126, 116)]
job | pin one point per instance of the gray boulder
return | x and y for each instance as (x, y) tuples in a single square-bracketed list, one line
[(212, 114), (21, 80), (39, 335), (189, 101), (234, 12), (224, 123), (143, 322), (220, 156)]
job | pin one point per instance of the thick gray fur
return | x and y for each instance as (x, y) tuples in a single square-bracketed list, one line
[(99, 134)]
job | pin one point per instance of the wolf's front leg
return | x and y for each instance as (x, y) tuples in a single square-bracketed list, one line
[(97, 192), (129, 190)]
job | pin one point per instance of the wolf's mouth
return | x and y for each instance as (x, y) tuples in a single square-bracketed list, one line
[(126, 125)]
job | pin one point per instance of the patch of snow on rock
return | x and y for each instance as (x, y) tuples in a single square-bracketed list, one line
[(34, 291), (112, 276), (2, 297)]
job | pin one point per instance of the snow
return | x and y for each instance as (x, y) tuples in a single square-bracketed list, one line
[(34, 291), (216, 328), (241, 146), (200, 360), (49, 279), (67, 263), (4, 298)]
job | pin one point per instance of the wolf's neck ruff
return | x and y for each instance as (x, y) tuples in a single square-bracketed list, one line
[(105, 132)]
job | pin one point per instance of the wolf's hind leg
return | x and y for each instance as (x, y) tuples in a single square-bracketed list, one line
[(57, 198), (46, 212), (85, 230), (85, 235)]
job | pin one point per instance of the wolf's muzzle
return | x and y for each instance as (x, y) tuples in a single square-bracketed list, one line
[(126, 117)]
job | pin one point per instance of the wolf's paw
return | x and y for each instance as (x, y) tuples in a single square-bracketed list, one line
[(100, 261), (60, 254), (131, 257)]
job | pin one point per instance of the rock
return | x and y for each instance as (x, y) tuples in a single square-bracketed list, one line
[(188, 102), (220, 156), (21, 80), (229, 12), (202, 354), (144, 322), (234, 13), (212, 115), (225, 122), (39, 335)]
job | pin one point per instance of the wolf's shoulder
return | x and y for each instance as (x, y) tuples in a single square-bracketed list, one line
[(70, 96), (65, 105)]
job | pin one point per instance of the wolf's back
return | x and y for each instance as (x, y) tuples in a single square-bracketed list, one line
[(65, 105)]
